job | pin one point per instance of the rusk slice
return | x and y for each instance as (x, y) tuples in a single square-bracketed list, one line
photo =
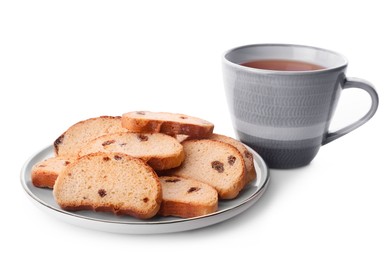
[(112, 182), (215, 163), (186, 198), (250, 173), (160, 151), (70, 142), (167, 123), (45, 173)]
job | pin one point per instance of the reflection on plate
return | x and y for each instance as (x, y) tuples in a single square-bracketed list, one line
[(109, 222)]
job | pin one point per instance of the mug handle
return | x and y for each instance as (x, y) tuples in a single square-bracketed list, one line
[(362, 84)]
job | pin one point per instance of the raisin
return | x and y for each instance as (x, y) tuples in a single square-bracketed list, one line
[(108, 142), (57, 142), (248, 155), (117, 157), (231, 159), (102, 192), (140, 112), (218, 166), (66, 163), (106, 158), (145, 199), (69, 174), (192, 189), (142, 137), (172, 180)]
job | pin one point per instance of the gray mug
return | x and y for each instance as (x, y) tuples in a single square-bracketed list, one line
[(285, 115)]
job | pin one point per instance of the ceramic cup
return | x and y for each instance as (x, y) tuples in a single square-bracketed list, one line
[(285, 115)]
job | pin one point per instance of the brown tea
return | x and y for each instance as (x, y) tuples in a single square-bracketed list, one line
[(285, 65)]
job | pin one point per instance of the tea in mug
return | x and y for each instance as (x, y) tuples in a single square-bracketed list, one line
[(283, 65)]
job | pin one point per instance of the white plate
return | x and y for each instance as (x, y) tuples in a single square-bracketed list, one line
[(109, 222)]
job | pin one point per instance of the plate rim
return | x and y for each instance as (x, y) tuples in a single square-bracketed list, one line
[(265, 176)]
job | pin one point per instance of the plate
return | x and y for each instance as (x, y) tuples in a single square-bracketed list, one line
[(43, 198)]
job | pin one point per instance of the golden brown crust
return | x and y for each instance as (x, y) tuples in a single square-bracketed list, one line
[(43, 179), (163, 163), (250, 167), (185, 210), (167, 123)]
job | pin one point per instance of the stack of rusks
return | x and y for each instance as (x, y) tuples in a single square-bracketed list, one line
[(145, 163)]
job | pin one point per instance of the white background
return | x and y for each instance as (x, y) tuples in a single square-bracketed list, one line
[(65, 61)]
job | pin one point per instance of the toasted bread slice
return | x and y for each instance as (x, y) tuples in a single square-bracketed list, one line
[(160, 151), (186, 198), (250, 173), (111, 182), (167, 123), (215, 163), (45, 173), (70, 142)]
